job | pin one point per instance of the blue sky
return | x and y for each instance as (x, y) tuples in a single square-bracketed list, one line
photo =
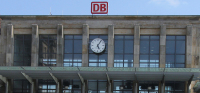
[(116, 7)]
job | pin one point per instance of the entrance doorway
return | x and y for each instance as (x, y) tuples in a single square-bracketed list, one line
[(148, 87)]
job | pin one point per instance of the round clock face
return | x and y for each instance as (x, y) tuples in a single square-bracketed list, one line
[(97, 45)]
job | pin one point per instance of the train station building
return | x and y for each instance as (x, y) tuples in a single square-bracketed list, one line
[(99, 54)]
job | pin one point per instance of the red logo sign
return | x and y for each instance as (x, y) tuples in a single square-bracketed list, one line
[(99, 7)]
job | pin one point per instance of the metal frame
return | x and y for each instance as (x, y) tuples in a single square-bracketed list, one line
[(175, 54), (174, 82), (122, 81), (41, 53), (97, 36), (72, 50), (124, 48), (149, 54)]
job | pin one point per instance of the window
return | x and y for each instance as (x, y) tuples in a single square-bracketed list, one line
[(123, 86), (97, 86), (21, 86), (123, 51), (22, 50), (46, 86), (71, 86), (175, 52), (149, 51), (73, 51), (148, 87), (48, 50), (98, 60), (174, 87)]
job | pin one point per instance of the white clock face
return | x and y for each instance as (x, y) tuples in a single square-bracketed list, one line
[(97, 45)]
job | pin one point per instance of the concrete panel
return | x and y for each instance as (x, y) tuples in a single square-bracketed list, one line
[(10, 45), (162, 61), (136, 60), (149, 31), (189, 46), (47, 31), (111, 45), (23, 31), (176, 31), (98, 31), (136, 45), (85, 42), (60, 45), (35, 45), (124, 31), (72, 31)]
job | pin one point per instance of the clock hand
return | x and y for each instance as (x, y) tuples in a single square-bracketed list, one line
[(98, 44)]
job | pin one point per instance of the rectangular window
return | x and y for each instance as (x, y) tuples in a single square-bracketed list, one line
[(72, 86), (73, 51), (124, 46), (46, 86), (149, 51), (174, 87), (22, 50), (175, 52), (97, 86), (148, 87), (21, 86), (47, 50), (98, 59)]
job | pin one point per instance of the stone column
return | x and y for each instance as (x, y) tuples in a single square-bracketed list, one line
[(9, 88), (10, 45), (3, 41), (35, 45), (60, 45), (84, 87), (189, 41), (161, 87), (162, 45), (110, 45), (34, 86), (136, 46), (135, 87), (85, 41), (109, 86)]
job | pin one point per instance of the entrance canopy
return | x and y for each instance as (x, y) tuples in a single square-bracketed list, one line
[(102, 73)]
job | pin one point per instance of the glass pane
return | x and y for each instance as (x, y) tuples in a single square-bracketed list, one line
[(93, 64), (68, 59), (93, 58), (17, 84), (118, 37), (144, 58), (18, 46), (180, 58), (103, 58), (154, 37), (154, 47), (180, 37), (118, 64), (169, 58), (170, 37), (128, 46), (104, 37), (78, 58), (117, 85), (102, 86), (129, 37), (179, 65), (68, 36), (179, 86), (170, 47), (77, 37), (154, 58), (144, 47), (118, 46), (68, 46), (180, 47), (144, 37), (77, 46), (92, 85), (118, 58), (52, 46), (18, 57), (93, 37), (128, 58)]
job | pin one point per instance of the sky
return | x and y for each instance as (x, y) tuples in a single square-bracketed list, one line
[(116, 7)]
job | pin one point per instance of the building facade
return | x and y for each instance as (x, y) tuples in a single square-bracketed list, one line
[(99, 54)]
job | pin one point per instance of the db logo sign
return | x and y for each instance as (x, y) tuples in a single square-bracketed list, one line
[(99, 7)]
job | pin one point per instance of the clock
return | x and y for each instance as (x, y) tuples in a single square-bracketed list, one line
[(97, 45)]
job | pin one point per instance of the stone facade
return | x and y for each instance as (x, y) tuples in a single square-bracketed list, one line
[(100, 25)]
